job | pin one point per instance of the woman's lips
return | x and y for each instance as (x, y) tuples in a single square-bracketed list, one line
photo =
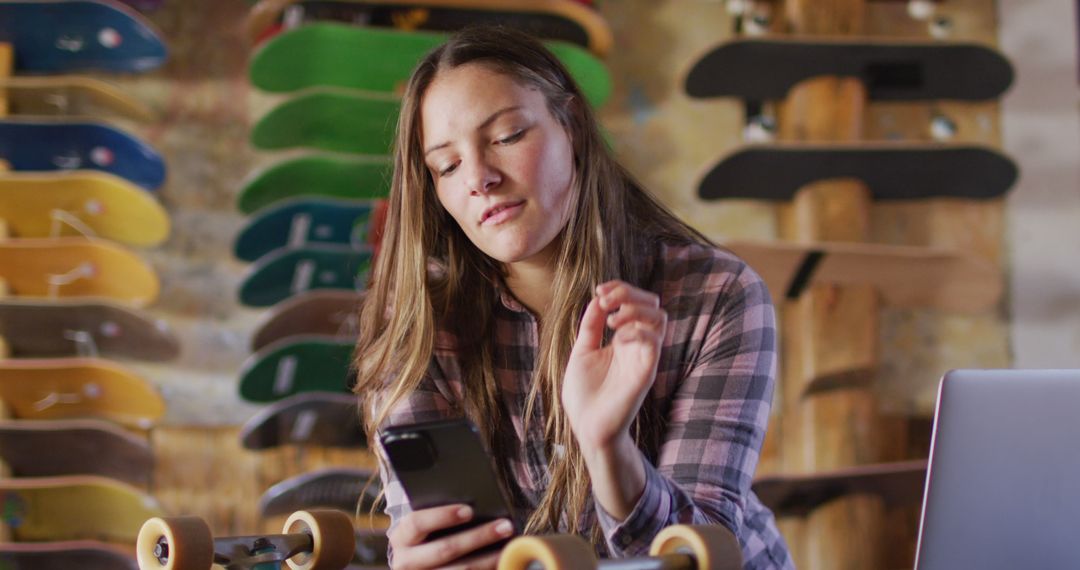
[(503, 214)]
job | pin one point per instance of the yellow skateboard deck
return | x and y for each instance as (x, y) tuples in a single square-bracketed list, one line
[(65, 388), (70, 96), (36, 204), (76, 267), (83, 507)]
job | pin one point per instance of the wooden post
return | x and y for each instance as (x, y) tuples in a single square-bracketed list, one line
[(831, 331)]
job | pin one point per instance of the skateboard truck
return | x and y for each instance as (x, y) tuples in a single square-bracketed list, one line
[(310, 540)]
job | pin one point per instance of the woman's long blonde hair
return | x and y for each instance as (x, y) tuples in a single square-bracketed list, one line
[(614, 226)]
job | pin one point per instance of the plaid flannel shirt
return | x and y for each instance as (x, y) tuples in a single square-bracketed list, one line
[(713, 391)]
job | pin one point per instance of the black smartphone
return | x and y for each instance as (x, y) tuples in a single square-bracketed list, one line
[(444, 462)]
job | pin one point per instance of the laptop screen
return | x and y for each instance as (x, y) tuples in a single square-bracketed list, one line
[(1003, 486)]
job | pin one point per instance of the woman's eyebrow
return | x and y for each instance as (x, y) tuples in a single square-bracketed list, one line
[(491, 118)]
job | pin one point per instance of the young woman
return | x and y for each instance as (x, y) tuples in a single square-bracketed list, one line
[(620, 366)]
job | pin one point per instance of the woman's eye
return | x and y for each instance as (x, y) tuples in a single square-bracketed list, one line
[(448, 169), (512, 138)]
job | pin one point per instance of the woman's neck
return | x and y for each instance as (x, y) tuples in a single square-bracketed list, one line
[(531, 283)]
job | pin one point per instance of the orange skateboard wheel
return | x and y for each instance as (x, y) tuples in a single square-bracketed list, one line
[(558, 552), (713, 547), (333, 541), (177, 543)]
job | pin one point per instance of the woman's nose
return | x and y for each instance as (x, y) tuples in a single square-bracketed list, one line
[(482, 176)]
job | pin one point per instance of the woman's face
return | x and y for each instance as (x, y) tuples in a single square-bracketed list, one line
[(501, 163)]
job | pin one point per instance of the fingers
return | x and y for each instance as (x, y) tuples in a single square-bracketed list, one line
[(410, 550), (591, 332), (631, 308), (417, 525)]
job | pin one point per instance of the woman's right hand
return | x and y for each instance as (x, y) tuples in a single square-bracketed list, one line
[(412, 553)]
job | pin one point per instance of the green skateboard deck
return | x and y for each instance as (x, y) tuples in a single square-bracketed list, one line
[(330, 54), (285, 272), (296, 365), (82, 507), (323, 175), (331, 120), (327, 312), (299, 222), (39, 448)]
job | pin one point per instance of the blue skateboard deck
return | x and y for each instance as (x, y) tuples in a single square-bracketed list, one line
[(296, 223), (53, 145), (297, 365), (316, 175), (336, 121), (55, 36), (285, 272)]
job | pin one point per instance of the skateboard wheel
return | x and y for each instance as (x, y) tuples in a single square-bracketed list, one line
[(550, 553), (179, 543), (713, 547), (332, 539)]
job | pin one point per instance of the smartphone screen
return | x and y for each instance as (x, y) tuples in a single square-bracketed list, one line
[(442, 463)]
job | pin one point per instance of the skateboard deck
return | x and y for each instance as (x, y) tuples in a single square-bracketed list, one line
[(65, 555), (298, 222), (296, 365), (54, 145), (76, 267), (327, 419), (56, 36), (285, 272), (81, 507), (326, 312), (329, 120), (325, 54), (900, 483), (892, 171), (76, 388), (40, 448), (334, 488), (905, 276), (562, 20), (316, 175), (764, 70), (48, 329), (70, 96), (36, 204)]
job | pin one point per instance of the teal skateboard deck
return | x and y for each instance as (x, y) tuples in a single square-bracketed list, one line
[(56, 36), (317, 175), (65, 327), (562, 20), (327, 312), (297, 223), (297, 365), (333, 55), (891, 171), (336, 488), (41, 448), (326, 419), (329, 120), (35, 145), (285, 272)]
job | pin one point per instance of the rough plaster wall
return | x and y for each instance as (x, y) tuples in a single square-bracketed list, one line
[(1042, 130)]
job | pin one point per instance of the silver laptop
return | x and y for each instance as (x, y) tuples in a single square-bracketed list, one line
[(1003, 488)]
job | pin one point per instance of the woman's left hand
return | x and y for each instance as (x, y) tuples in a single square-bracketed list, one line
[(604, 385)]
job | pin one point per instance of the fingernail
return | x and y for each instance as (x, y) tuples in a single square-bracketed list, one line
[(504, 528), (464, 513)]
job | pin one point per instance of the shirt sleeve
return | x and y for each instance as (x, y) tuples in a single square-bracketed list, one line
[(715, 427), (428, 402)]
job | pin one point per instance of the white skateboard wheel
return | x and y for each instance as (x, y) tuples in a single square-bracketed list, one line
[(333, 540), (178, 543), (713, 547), (559, 552)]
